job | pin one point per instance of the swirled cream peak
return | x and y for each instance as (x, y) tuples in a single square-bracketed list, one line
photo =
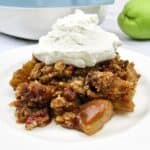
[(77, 39)]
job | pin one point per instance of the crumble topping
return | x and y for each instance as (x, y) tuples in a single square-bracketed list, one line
[(78, 98)]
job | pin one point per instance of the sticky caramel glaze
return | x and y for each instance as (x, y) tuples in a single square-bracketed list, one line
[(93, 115), (58, 91)]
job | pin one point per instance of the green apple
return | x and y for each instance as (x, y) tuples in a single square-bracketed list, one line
[(134, 20)]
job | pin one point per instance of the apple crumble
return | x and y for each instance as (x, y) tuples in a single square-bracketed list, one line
[(76, 98)]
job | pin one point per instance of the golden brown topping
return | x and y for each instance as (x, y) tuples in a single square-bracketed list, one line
[(69, 94), (75, 97), (35, 92), (92, 95), (22, 74), (22, 113), (43, 73), (59, 66), (111, 87), (69, 70), (77, 84), (35, 73), (58, 102), (67, 120), (39, 118)]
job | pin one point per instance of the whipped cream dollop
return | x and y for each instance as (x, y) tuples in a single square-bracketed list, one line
[(77, 39)]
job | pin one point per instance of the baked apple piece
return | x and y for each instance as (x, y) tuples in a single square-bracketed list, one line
[(93, 115)]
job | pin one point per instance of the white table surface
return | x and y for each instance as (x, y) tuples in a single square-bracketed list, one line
[(7, 43), (110, 24)]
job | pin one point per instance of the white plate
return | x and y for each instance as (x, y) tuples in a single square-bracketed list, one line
[(130, 130)]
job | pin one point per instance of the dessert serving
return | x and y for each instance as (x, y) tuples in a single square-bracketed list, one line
[(75, 77)]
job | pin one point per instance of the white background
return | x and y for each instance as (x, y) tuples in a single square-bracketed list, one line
[(110, 24)]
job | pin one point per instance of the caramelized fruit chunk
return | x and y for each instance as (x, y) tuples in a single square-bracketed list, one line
[(93, 115)]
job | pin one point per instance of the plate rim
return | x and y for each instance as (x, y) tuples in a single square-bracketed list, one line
[(120, 49)]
